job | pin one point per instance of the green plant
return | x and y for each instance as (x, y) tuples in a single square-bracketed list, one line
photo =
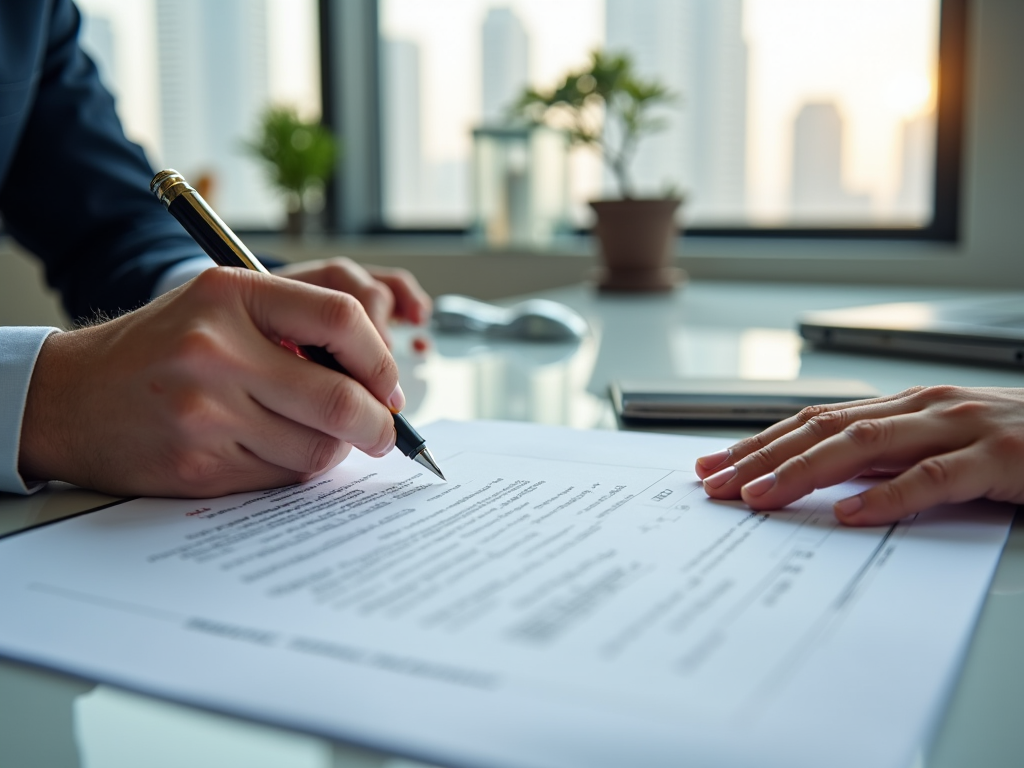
[(606, 89), (299, 155)]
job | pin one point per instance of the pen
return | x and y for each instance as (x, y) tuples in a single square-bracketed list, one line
[(223, 246)]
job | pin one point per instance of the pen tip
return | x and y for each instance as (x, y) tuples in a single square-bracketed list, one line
[(424, 458)]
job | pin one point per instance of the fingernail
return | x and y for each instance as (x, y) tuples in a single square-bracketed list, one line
[(762, 485), (719, 479), (848, 506), (397, 400), (715, 459)]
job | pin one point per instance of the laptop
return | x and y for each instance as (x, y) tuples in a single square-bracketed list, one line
[(980, 330)]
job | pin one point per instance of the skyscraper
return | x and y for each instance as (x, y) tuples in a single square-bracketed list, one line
[(818, 189), (695, 47), (718, 100), (213, 87), (402, 128), (505, 63), (917, 169)]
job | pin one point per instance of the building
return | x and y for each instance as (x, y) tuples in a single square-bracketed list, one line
[(213, 87), (913, 201), (401, 114), (819, 193), (697, 48), (505, 66)]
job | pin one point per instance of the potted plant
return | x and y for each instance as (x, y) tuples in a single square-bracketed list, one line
[(605, 105), (299, 156)]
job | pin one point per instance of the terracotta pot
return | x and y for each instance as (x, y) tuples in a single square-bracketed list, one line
[(637, 239)]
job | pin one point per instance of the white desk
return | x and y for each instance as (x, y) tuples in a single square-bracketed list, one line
[(707, 329)]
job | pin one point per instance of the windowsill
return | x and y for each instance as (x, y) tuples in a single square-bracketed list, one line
[(815, 249), (689, 247), (446, 263)]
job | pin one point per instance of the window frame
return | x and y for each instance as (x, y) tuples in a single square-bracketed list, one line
[(349, 50)]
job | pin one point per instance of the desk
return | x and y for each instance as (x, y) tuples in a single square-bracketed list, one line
[(707, 329)]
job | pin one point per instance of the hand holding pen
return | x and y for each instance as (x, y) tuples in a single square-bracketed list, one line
[(227, 250), (192, 395)]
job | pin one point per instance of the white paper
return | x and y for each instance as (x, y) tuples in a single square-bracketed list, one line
[(566, 599)]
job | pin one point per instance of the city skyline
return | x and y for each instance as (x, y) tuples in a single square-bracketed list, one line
[(732, 148), (876, 60), (743, 78), (697, 48), (191, 79)]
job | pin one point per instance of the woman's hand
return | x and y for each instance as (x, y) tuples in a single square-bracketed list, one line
[(386, 294), (937, 444)]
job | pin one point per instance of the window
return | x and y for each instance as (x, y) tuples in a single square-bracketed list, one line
[(793, 116), (191, 78)]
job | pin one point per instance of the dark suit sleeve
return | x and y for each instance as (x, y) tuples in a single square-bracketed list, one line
[(77, 191)]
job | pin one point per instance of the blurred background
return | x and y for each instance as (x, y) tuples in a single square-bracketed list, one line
[(828, 141), (788, 112)]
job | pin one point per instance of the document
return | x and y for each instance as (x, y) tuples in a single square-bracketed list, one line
[(567, 599)]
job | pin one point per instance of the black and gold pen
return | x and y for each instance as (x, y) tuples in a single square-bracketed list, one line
[(223, 246)]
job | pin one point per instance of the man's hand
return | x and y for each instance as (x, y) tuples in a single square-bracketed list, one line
[(386, 294), (192, 395), (938, 444)]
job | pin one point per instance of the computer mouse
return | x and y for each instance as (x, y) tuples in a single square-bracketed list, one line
[(531, 320), (541, 320)]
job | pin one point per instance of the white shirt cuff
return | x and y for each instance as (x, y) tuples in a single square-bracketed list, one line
[(181, 273), (19, 348)]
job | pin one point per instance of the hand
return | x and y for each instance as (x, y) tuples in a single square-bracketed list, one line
[(193, 395), (938, 444), (386, 294)]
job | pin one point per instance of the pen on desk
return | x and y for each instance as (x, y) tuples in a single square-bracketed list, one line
[(223, 246)]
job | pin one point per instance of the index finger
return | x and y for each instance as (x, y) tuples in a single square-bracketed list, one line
[(307, 314), (902, 439), (715, 462), (320, 399), (412, 303), (343, 274)]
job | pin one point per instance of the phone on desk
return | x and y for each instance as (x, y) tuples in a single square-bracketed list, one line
[(726, 401)]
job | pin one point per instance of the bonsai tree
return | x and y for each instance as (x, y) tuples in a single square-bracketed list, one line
[(299, 156), (607, 89)]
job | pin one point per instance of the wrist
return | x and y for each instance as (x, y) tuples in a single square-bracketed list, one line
[(44, 426)]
